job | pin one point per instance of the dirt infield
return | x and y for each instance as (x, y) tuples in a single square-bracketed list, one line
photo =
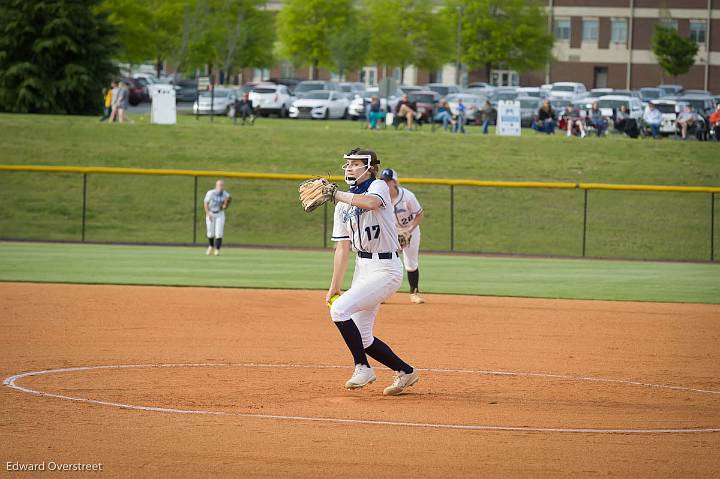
[(238, 383)]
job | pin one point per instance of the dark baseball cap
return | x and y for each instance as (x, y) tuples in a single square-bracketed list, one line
[(389, 174)]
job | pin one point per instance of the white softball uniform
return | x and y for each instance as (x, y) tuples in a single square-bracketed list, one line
[(216, 221), (407, 207), (378, 270)]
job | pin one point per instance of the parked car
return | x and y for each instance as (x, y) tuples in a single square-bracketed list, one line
[(610, 104), (649, 94), (480, 84), (307, 86), (186, 90), (535, 92), (247, 88), (669, 109), (269, 98), (503, 95), (425, 100), (351, 89), (442, 89), (598, 92), (529, 106), (670, 89), (473, 104), (567, 89), (217, 103), (702, 104), (138, 93), (320, 104), (290, 83), (558, 104)]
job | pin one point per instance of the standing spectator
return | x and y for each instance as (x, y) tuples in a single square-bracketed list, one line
[(406, 109), (107, 103), (573, 120), (444, 114), (122, 102), (486, 114), (687, 119), (597, 119), (115, 90), (714, 122), (244, 109), (546, 119), (375, 112), (653, 118), (460, 118)]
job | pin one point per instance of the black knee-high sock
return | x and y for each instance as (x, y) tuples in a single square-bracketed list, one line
[(211, 241), (414, 279), (351, 335), (382, 353), (218, 243)]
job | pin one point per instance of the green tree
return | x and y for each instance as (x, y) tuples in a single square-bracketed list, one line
[(306, 28), (675, 54), (389, 44), (55, 56), (348, 46), (508, 33)]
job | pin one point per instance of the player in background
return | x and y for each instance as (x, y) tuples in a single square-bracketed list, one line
[(408, 216), (216, 202), (365, 224)]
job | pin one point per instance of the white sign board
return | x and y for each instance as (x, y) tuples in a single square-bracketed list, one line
[(508, 118), (163, 105), (203, 83)]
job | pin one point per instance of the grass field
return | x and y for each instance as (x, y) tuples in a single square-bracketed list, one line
[(255, 268), (160, 209)]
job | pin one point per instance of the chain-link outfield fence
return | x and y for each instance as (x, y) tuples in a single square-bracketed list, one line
[(129, 205)]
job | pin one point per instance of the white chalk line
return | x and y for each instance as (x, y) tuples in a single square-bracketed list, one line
[(11, 382)]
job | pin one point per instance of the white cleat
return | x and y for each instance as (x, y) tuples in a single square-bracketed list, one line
[(415, 298), (402, 381), (362, 376), (209, 250), (216, 252)]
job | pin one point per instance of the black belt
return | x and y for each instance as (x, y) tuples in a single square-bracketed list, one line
[(365, 255)]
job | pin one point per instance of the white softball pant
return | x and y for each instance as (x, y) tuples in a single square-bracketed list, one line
[(374, 281), (215, 225), (412, 251)]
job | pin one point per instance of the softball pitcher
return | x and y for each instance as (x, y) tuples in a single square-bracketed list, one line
[(408, 216), (216, 202), (364, 223)]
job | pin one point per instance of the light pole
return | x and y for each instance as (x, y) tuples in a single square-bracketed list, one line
[(458, 44)]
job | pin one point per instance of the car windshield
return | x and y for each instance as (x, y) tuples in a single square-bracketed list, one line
[(408, 89), (650, 93), (597, 94), (443, 90), (421, 98), (614, 104), (559, 103), (466, 98), (529, 104), (310, 87), (218, 94), (318, 95), (506, 95), (698, 105), (665, 108), (346, 88), (566, 88), (265, 90), (532, 93)]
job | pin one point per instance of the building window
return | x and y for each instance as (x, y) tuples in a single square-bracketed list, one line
[(590, 30), (697, 31), (562, 29), (287, 70), (618, 30), (504, 78)]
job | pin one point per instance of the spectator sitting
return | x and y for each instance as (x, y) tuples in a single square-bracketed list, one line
[(714, 122), (406, 109), (375, 113), (460, 118), (545, 119), (244, 109), (444, 114), (621, 119), (486, 115), (653, 118), (573, 120), (687, 119), (597, 119)]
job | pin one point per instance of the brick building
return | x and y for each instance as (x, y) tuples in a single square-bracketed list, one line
[(601, 43)]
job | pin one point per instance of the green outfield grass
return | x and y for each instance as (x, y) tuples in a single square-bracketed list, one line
[(262, 268), (160, 209)]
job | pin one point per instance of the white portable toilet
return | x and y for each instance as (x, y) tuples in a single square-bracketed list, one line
[(163, 104)]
